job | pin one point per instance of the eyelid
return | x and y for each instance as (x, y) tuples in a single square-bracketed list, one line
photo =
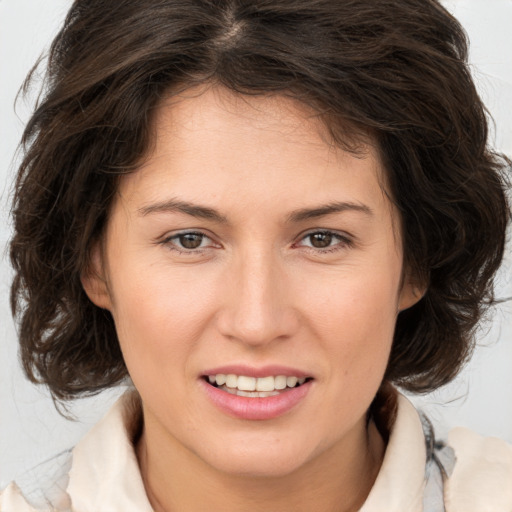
[(169, 237), (343, 238)]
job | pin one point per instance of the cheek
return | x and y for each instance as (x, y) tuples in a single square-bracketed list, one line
[(159, 314), (355, 317)]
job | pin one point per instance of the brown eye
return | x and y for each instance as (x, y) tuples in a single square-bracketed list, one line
[(190, 240), (323, 242), (189, 243), (320, 240)]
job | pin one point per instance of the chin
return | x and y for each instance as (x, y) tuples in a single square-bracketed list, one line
[(272, 460)]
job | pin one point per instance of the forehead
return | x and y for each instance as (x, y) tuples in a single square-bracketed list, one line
[(210, 141), (281, 114)]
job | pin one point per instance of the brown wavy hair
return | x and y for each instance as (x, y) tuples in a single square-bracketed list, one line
[(396, 69)]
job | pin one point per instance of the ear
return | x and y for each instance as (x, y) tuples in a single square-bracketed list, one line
[(411, 293), (94, 279)]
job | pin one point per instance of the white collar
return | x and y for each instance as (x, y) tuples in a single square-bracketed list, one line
[(401, 480), (105, 474)]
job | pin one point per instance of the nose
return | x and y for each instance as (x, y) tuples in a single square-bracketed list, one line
[(258, 308)]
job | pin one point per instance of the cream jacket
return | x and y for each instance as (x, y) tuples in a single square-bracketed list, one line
[(101, 474)]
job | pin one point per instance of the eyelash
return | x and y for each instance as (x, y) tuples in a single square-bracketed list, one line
[(344, 241), (169, 242)]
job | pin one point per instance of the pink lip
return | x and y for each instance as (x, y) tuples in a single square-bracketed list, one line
[(264, 371), (259, 408)]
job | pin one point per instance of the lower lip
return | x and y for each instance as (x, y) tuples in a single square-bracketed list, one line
[(257, 408)]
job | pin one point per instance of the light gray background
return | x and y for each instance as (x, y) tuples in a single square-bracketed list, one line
[(30, 428)]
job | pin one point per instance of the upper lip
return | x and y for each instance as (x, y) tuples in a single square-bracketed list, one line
[(262, 371)]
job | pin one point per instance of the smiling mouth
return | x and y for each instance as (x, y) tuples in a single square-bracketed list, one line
[(255, 387)]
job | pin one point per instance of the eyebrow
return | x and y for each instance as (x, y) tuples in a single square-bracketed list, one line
[(204, 212), (174, 205), (328, 209)]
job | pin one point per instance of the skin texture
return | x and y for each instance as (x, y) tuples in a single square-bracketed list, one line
[(255, 292)]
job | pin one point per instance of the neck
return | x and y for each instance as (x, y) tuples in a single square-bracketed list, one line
[(338, 479)]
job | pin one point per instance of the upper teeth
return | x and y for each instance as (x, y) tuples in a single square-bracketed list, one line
[(244, 383)]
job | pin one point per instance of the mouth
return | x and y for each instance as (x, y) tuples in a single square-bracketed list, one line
[(255, 387)]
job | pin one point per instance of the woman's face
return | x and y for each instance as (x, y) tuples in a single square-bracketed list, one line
[(248, 246)]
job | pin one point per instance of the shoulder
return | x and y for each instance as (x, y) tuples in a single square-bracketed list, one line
[(11, 499), (41, 489), (482, 474), (100, 473)]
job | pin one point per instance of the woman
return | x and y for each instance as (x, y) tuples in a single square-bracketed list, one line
[(267, 215)]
